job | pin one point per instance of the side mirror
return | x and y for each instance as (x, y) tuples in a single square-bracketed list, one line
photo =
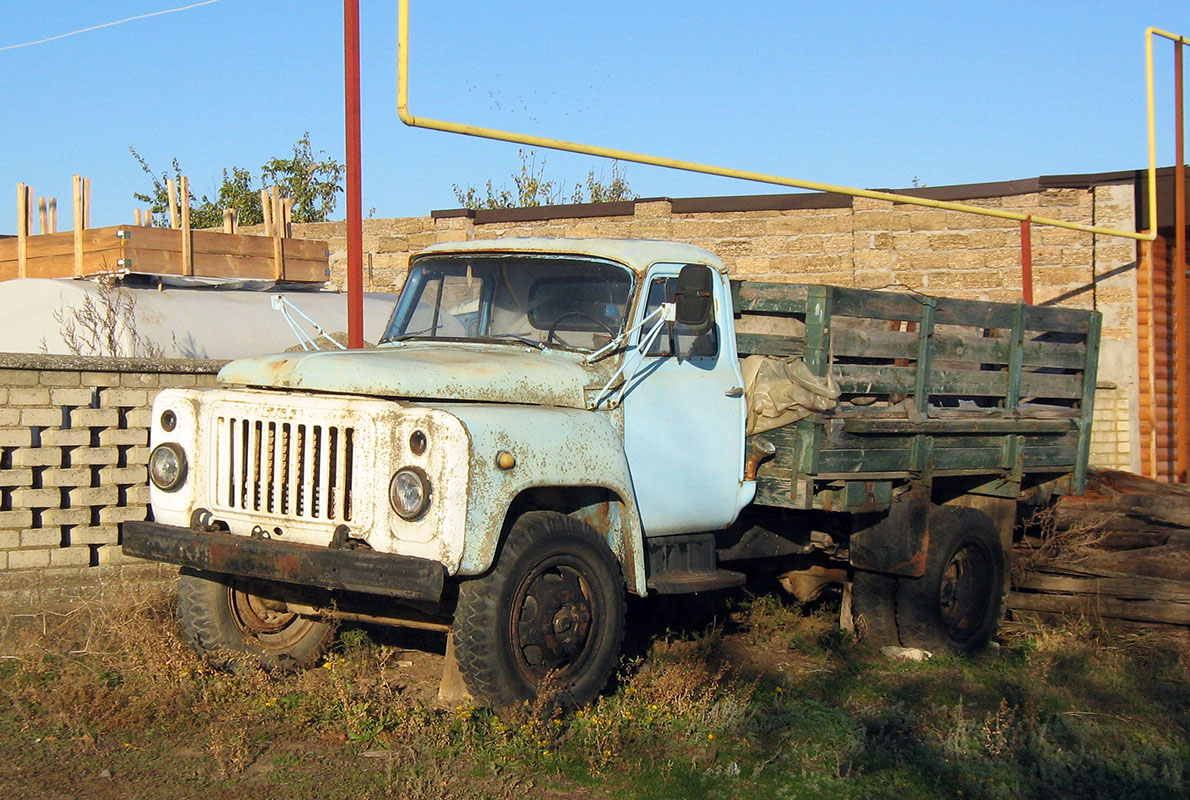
[(693, 298)]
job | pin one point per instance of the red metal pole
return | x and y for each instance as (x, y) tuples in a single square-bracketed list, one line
[(1027, 260), (355, 205), (1182, 326)]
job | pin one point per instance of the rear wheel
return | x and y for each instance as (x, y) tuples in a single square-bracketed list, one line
[(548, 617), (956, 604), (236, 627)]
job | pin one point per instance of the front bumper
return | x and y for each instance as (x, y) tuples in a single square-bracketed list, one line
[(365, 571)]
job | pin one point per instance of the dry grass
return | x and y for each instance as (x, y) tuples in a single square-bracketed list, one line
[(771, 701)]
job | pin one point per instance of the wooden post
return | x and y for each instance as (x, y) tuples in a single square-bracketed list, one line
[(148, 218), (136, 216), (278, 233), (229, 220), (23, 194), (266, 210), (77, 214), (171, 189), (86, 203), (288, 204), (53, 215), (43, 216), (187, 244)]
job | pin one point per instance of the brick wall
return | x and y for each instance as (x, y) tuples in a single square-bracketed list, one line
[(74, 436), (871, 244)]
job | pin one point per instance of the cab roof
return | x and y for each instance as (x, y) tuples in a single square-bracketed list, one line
[(636, 254)]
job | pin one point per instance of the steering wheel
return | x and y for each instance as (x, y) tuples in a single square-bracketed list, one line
[(553, 332)]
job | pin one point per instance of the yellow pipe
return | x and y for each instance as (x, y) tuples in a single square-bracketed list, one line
[(689, 166)]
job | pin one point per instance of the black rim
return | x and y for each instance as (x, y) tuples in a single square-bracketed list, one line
[(552, 620), (965, 591)]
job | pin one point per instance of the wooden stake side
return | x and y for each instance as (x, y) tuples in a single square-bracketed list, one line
[(22, 230), (53, 215), (136, 216), (171, 191), (278, 234), (43, 215), (266, 210), (76, 211), (229, 220), (187, 242), (86, 203), (288, 204)]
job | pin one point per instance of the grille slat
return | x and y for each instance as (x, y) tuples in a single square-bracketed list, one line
[(284, 469)]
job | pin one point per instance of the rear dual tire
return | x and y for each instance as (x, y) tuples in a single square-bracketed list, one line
[(955, 606)]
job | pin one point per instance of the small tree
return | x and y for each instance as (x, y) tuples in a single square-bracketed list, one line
[(313, 181), (105, 324), (531, 188)]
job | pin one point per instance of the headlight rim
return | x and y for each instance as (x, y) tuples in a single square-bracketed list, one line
[(427, 493), (183, 466)]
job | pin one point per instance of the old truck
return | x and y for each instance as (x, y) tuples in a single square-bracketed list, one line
[(548, 425)]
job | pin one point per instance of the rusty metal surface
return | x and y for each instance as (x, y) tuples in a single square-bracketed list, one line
[(500, 373), (350, 570), (553, 447), (898, 543)]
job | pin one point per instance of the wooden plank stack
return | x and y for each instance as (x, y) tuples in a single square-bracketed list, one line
[(1121, 550), (178, 250)]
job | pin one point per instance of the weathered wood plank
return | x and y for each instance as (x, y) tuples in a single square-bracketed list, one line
[(768, 298), (763, 344), (1134, 610), (1046, 384), (976, 424), (1133, 587)]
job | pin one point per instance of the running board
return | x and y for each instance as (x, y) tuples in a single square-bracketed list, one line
[(687, 564)]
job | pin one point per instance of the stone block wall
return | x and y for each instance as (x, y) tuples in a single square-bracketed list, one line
[(74, 435)]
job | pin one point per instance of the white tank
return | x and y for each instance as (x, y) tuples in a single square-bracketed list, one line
[(170, 320)]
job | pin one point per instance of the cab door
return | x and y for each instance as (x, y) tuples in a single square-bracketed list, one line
[(684, 412)]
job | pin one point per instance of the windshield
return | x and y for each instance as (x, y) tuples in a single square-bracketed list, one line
[(560, 301)]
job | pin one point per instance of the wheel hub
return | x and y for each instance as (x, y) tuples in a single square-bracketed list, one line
[(552, 620)]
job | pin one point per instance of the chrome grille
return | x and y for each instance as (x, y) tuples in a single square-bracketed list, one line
[(284, 469)]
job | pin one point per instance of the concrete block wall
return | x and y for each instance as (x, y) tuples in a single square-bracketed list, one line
[(74, 435)]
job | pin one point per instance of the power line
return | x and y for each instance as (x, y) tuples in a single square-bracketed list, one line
[(108, 25)]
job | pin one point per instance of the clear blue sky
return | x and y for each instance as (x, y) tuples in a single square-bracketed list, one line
[(855, 92)]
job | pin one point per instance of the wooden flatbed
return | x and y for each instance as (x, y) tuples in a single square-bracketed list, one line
[(999, 395)]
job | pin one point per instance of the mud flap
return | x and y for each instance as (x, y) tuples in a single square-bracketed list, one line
[(898, 543)]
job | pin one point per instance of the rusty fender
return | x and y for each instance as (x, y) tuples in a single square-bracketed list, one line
[(898, 543), (547, 447)]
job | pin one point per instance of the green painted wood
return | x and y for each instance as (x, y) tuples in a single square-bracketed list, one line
[(849, 340), (974, 425), (869, 304), (1054, 354), (868, 379), (1045, 384), (923, 384), (768, 298), (749, 344), (973, 313), (1087, 403), (1060, 320), (988, 458)]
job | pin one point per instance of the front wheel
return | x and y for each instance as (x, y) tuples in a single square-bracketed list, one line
[(235, 627), (547, 618), (956, 604)]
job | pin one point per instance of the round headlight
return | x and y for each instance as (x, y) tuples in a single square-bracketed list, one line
[(409, 493), (167, 467)]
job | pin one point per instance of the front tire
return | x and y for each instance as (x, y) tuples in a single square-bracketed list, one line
[(547, 618), (956, 604), (236, 628)]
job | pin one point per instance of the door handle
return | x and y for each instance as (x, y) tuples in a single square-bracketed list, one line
[(735, 391)]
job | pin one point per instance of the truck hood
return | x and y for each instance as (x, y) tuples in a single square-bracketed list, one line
[(483, 373)]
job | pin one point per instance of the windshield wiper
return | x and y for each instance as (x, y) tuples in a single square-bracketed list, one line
[(520, 338), (400, 337)]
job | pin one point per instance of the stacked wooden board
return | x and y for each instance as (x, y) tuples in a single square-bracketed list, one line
[(1121, 550), (164, 251)]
